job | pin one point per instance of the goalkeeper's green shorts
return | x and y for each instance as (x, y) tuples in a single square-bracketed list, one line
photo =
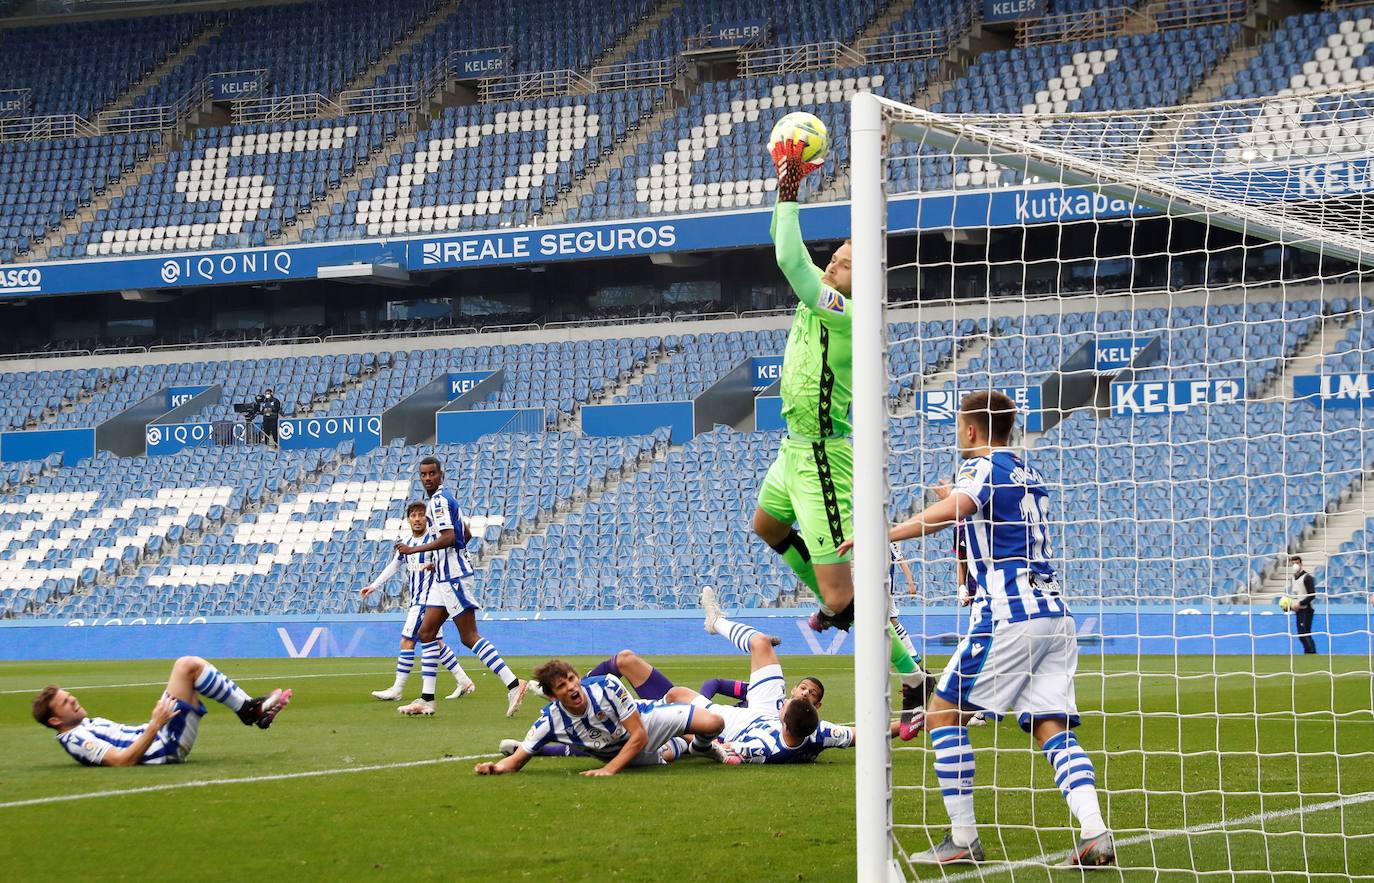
[(812, 484)]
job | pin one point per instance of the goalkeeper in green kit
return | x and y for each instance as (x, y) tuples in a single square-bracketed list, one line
[(811, 483)]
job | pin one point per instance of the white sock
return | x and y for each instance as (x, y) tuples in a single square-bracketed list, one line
[(429, 669), (405, 661), (215, 684), (449, 660), (1077, 781), (737, 633), (954, 770)]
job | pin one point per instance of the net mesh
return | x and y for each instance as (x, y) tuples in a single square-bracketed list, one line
[(1174, 298)]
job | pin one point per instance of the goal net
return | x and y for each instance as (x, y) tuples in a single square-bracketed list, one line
[(1174, 298)]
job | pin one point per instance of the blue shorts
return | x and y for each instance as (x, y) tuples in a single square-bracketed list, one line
[(176, 738)]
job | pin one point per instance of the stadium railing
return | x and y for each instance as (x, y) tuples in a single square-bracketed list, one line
[(536, 84), (773, 60), (635, 74), (280, 108)]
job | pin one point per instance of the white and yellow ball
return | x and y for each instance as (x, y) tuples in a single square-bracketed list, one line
[(1285, 603), (806, 128)]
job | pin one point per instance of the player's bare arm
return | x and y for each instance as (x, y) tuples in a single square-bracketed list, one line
[(163, 711), (512, 764), (933, 519), (633, 747), (445, 539)]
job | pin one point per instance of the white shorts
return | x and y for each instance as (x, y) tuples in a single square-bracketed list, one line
[(663, 722), (1023, 667), (178, 736), (411, 630), (767, 693), (453, 597)]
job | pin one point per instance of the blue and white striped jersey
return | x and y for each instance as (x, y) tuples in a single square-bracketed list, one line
[(418, 575), (445, 514), (93, 738), (761, 742), (1008, 541), (599, 730)]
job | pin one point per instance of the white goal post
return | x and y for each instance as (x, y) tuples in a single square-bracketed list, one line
[(1295, 170)]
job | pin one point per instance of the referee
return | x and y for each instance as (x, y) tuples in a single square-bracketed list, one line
[(1304, 592)]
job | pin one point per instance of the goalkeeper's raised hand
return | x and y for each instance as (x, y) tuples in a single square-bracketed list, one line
[(791, 169)]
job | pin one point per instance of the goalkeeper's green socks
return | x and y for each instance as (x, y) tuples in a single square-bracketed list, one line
[(902, 659), (793, 550)]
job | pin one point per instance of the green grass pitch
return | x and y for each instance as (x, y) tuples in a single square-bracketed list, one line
[(423, 814)]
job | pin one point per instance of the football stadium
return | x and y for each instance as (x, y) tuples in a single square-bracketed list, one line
[(892, 439)]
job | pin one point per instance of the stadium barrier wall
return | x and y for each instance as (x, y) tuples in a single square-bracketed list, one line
[(169, 433), (768, 414), (462, 427), (640, 418), (72, 444), (126, 433), (727, 401), (300, 433), (1340, 629), (412, 418)]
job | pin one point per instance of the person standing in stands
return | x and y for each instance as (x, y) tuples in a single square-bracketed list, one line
[(1304, 594), (271, 412)]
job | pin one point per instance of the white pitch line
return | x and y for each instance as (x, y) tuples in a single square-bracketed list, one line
[(1041, 860), (245, 780), (163, 682)]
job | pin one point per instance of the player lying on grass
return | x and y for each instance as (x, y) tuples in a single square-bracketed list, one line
[(420, 569), (598, 716), (449, 595), (811, 482), (1021, 650), (651, 684), (170, 732), (776, 727)]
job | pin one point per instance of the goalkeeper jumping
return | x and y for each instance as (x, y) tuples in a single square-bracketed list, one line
[(811, 483)]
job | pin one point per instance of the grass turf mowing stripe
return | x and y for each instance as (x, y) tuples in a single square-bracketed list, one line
[(163, 682), (243, 780), (1039, 861)]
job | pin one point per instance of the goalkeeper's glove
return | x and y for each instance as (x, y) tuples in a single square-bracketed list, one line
[(787, 158)]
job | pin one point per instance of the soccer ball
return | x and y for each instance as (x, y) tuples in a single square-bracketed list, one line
[(804, 127), (1285, 602)]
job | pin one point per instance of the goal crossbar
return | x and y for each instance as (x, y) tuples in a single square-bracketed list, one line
[(1147, 176)]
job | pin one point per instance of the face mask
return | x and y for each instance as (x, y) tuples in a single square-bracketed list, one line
[(1297, 568)]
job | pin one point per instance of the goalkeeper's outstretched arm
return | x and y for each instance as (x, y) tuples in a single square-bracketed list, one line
[(793, 258)]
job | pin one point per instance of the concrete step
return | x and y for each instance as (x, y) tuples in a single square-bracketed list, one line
[(1316, 548), (171, 63), (593, 175), (612, 481), (638, 34), (361, 172), (1307, 359), (882, 21), (440, 14), (42, 249)]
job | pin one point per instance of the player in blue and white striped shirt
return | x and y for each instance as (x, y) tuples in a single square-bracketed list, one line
[(171, 730), (450, 594), (777, 726), (599, 717), (1021, 652), (419, 579)]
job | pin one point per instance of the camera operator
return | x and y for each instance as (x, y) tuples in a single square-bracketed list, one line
[(270, 408)]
